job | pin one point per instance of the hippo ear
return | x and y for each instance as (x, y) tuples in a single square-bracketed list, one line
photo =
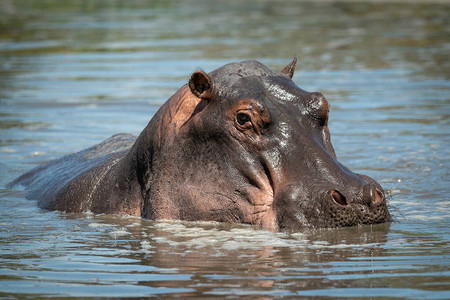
[(201, 85), (290, 68)]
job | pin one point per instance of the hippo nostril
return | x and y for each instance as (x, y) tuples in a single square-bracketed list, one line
[(338, 198), (379, 196)]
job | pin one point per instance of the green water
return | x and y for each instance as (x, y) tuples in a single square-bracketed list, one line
[(73, 73)]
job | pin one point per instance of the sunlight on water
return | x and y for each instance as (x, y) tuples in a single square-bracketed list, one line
[(72, 74)]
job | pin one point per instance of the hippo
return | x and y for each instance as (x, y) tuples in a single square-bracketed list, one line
[(241, 144)]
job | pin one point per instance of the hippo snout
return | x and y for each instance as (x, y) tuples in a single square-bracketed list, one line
[(371, 195), (333, 207), (366, 205)]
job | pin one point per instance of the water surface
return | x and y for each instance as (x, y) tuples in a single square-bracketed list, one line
[(73, 73)]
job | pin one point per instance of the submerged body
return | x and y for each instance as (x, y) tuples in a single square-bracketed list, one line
[(240, 144)]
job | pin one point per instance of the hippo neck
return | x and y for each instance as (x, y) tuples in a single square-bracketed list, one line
[(158, 135)]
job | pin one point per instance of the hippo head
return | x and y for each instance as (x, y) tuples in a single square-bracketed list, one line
[(245, 144)]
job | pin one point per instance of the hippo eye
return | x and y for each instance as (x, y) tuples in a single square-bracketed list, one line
[(242, 119)]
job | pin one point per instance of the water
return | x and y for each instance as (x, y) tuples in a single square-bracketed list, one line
[(73, 73)]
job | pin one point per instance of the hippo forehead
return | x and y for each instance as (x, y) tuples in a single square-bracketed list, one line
[(232, 72), (253, 79)]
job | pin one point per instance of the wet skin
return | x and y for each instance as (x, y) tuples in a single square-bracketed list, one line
[(241, 144)]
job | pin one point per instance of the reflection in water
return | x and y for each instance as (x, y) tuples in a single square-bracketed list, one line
[(73, 73), (185, 256)]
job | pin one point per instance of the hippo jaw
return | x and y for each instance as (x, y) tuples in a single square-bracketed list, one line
[(244, 144)]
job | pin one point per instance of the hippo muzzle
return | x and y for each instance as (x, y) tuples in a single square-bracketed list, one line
[(316, 190), (324, 206)]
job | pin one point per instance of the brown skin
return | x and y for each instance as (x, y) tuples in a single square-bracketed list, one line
[(241, 144)]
